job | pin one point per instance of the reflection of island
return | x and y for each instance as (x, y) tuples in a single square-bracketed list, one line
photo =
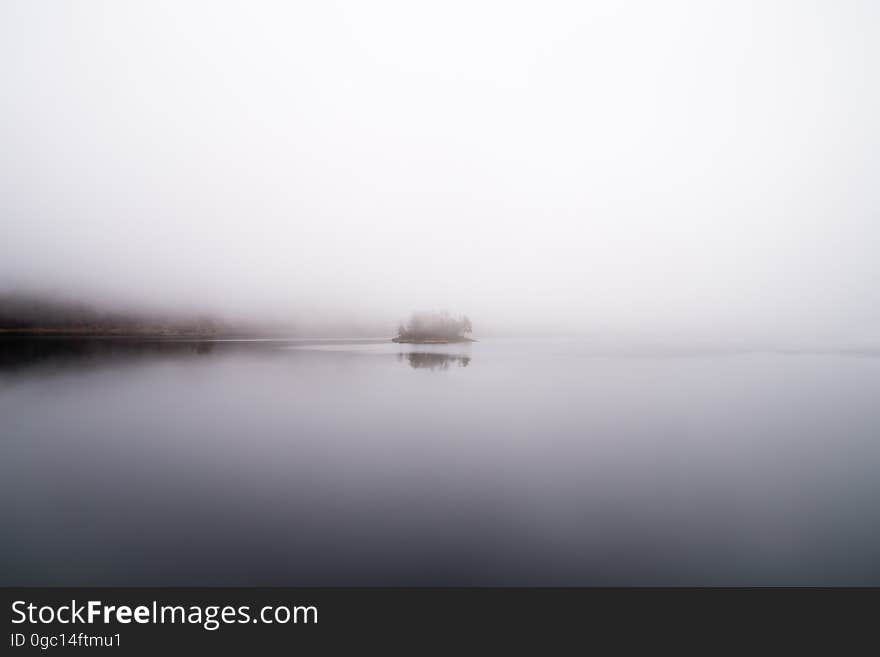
[(434, 328), (434, 361)]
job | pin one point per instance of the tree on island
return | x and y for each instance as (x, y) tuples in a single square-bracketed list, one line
[(435, 327)]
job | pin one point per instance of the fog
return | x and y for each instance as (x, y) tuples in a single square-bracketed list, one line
[(684, 170)]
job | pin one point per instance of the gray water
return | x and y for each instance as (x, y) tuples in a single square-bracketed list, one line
[(523, 462)]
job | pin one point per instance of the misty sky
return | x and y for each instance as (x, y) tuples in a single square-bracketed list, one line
[(680, 168)]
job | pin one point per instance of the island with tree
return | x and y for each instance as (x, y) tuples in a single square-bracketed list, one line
[(434, 328)]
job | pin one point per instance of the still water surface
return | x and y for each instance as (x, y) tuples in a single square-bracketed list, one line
[(502, 462)]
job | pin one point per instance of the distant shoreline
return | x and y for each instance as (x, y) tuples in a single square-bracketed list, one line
[(168, 332), (110, 333)]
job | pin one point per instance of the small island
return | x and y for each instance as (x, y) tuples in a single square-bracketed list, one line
[(434, 328)]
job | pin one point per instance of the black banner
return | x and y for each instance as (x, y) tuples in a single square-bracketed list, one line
[(180, 620)]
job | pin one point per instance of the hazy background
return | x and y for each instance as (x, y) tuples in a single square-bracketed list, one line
[(696, 170)]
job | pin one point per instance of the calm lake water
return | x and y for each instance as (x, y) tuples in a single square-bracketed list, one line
[(502, 462)]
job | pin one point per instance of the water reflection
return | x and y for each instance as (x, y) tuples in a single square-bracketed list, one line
[(434, 361), (306, 462), (18, 354)]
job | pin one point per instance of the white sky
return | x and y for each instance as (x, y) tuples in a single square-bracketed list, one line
[(690, 168)]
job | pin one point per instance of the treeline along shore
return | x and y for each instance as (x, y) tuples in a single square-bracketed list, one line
[(35, 315), (29, 315)]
